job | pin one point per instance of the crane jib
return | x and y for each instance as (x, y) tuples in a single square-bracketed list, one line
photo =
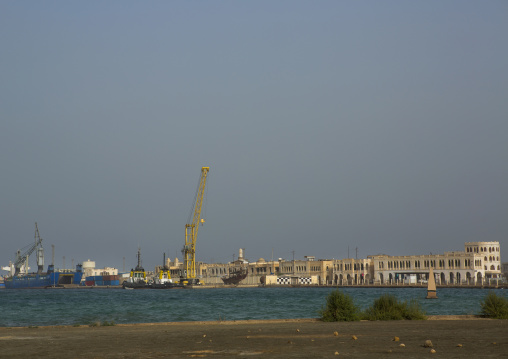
[(191, 233)]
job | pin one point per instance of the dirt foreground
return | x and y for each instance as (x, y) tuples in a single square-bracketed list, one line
[(451, 337)]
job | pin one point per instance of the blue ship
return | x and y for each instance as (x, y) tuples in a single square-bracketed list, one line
[(40, 279), (45, 280)]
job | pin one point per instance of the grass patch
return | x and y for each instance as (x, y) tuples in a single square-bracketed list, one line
[(339, 307), (495, 306), (388, 307), (103, 324)]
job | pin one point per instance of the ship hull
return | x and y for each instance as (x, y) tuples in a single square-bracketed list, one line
[(34, 281), (235, 277)]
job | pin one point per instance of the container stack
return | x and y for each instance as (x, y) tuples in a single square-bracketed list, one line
[(102, 280)]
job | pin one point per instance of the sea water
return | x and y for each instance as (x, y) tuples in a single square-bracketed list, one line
[(39, 307)]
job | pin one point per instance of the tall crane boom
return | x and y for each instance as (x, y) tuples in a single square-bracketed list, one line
[(22, 257), (191, 232)]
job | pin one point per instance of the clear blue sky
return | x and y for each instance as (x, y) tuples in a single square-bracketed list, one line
[(381, 125)]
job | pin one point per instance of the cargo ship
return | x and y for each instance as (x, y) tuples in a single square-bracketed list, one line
[(45, 280), (20, 279)]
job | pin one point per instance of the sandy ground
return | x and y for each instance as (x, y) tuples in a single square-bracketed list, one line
[(452, 337)]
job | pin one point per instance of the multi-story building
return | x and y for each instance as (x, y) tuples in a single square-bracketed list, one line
[(504, 271), (478, 264)]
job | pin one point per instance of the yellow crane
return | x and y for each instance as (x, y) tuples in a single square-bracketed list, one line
[(191, 233)]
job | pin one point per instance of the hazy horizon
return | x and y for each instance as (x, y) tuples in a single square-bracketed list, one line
[(326, 125)]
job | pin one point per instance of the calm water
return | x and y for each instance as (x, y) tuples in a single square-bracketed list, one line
[(84, 306)]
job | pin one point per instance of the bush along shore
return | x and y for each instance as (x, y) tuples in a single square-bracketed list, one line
[(340, 307)]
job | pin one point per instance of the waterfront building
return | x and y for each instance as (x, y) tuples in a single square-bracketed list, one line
[(90, 270), (478, 264), (504, 271)]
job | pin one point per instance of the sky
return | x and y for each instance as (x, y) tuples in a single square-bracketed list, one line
[(332, 129)]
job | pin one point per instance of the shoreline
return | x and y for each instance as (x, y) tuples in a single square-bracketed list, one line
[(288, 338), (223, 286), (258, 321)]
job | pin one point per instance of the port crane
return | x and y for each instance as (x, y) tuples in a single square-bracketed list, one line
[(191, 233), (22, 258)]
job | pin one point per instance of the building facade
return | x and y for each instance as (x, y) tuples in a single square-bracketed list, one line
[(478, 264)]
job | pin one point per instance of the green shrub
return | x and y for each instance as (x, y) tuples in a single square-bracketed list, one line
[(108, 324), (494, 306), (387, 307), (414, 311), (339, 308)]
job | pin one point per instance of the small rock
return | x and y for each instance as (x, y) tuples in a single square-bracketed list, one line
[(204, 335), (290, 342), (396, 339), (336, 353), (298, 330), (433, 351), (459, 345), (427, 344), (354, 337), (402, 345), (336, 334)]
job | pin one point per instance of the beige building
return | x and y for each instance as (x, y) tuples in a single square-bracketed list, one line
[(90, 270), (478, 264)]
